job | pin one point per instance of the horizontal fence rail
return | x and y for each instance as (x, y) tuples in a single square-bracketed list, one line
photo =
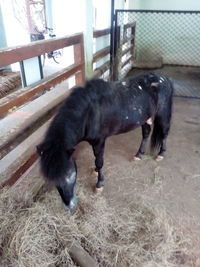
[(102, 71), (23, 96), (124, 48), (19, 53), (15, 54)]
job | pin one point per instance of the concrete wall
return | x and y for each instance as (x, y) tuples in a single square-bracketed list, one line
[(3, 42), (15, 29)]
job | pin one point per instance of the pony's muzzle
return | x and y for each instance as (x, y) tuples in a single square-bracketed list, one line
[(72, 204)]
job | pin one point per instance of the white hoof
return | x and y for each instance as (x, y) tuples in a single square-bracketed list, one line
[(149, 121), (159, 158), (94, 173), (136, 158), (98, 190)]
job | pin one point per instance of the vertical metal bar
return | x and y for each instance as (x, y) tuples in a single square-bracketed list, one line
[(133, 41), (23, 76), (112, 38), (116, 44), (40, 67)]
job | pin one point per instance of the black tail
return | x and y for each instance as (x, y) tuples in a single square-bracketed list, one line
[(157, 135), (163, 115)]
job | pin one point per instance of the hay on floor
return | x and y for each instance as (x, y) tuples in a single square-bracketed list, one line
[(37, 231)]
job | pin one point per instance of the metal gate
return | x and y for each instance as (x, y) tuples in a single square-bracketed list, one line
[(164, 40)]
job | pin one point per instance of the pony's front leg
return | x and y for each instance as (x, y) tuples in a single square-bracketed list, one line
[(146, 129), (98, 149)]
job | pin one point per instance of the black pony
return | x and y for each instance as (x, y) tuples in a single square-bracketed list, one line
[(100, 109)]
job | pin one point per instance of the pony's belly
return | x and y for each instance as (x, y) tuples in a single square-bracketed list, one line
[(127, 128)]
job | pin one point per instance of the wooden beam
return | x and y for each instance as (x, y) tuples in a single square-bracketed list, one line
[(100, 33), (127, 39), (126, 61), (101, 53), (18, 53), (79, 57), (81, 256), (16, 162), (129, 25), (19, 172), (103, 68), (129, 49)]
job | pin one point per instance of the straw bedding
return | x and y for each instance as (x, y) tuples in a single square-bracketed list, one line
[(35, 230), (8, 82)]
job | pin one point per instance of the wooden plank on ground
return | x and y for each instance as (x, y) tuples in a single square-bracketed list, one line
[(81, 256)]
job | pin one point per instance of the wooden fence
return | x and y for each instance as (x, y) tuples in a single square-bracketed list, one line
[(25, 113)]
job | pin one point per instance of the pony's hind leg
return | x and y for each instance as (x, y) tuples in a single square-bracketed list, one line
[(146, 129), (98, 149), (163, 146), (159, 136)]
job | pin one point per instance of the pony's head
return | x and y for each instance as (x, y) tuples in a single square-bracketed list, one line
[(66, 186), (59, 168)]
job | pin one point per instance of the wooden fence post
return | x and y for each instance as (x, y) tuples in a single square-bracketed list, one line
[(116, 62), (133, 40), (79, 58)]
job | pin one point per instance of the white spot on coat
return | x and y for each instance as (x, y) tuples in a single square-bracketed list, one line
[(71, 177), (149, 121), (154, 84), (126, 117), (124, 83), (140, 87)]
